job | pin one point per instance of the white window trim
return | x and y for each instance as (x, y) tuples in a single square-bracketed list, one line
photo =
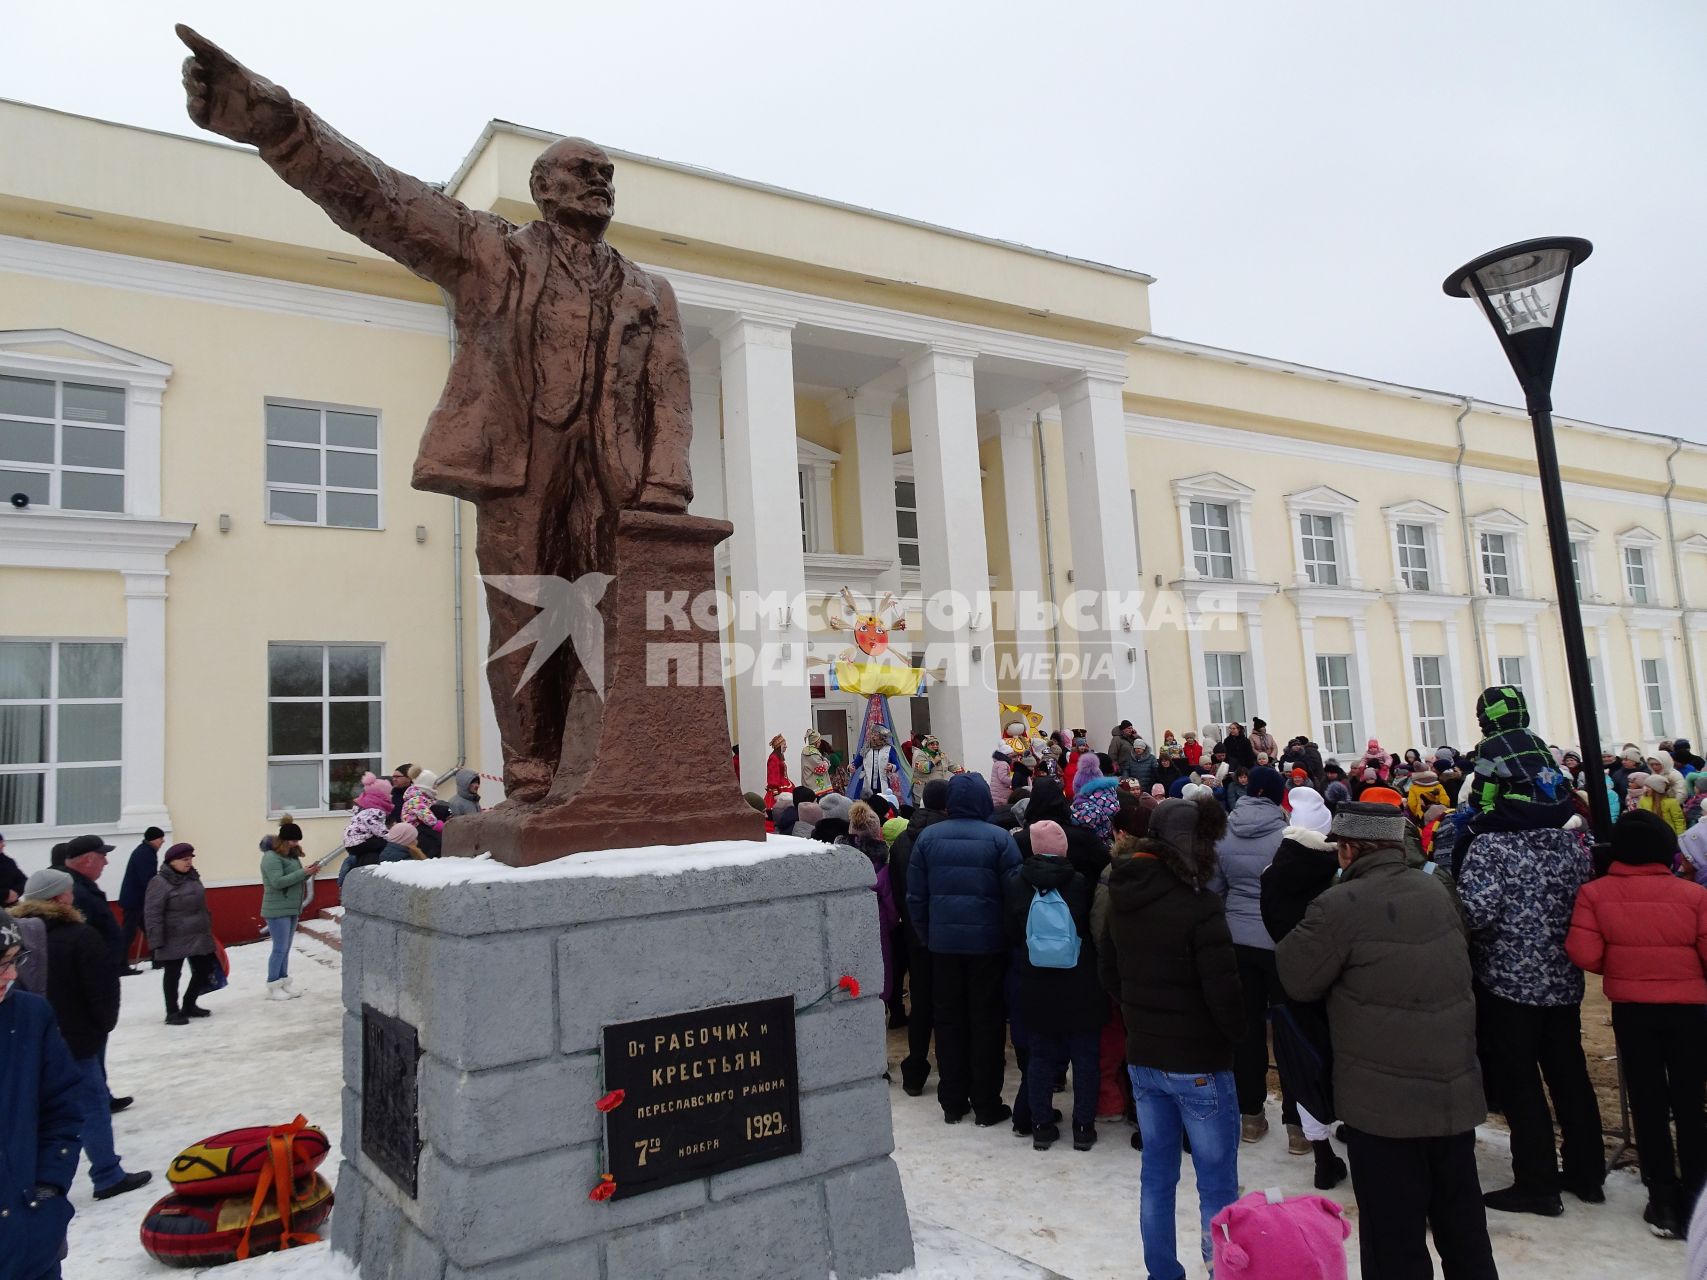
[(1513, 527), (1212, 486), (1648, 543), (36, 831), (818, 465), (1320, 719), (1192, 552), (1244, 687), (323, 406), (268, 759), (1582, 537), (1444, 664), (1433, 521), (1340, 509), (143, 379)]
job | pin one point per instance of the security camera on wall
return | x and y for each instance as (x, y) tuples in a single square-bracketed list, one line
[(20, 500)]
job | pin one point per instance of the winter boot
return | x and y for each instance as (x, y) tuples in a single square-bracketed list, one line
[(290, 987), (1330, 1169), (1043, 1136), (1662, 1217), (276, 990), (1296, 1143), (1084, 1137), (1253, 1128), (1515, 1199)]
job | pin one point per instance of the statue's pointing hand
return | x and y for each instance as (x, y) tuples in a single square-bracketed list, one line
[(227, 98)]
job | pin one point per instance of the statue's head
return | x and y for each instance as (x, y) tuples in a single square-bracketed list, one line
[(572, 183)]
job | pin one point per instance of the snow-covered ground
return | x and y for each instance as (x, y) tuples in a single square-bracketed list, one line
[(985, 1206)]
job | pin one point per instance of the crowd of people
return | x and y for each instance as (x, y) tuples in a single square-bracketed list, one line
[(64, 952), (1404, 936)]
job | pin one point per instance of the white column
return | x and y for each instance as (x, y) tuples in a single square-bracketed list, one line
[(1199, 677), (142, 775), (1016, 434), (705, 452), (1365, 679), (1677, 727), (1459, 696), (1692, 655), (1408, 681), (1536, 694), (1259, 666), (954, 563), (1312, 687), (1636, 655), (1613, 730), (1105, 557), (766, 559)]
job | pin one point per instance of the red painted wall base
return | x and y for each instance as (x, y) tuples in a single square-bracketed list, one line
[(236, 909)]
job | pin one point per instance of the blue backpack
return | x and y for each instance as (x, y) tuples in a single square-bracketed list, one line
[(1051, 941)]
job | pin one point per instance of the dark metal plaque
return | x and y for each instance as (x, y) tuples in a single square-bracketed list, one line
[(706, 1091), (391, 1119)]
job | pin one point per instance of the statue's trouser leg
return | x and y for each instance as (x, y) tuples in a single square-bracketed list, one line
[(530, 716)]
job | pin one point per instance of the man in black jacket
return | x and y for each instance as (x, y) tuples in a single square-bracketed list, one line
[(143, 866), (83, 988), (11, 878), (916, 1066)]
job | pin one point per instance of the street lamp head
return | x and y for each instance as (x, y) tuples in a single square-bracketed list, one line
[(1522, 289)]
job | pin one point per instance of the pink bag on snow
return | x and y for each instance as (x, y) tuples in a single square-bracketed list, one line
[(1265, 1236)]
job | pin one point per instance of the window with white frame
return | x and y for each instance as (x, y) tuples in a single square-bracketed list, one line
[(1224, 685), (62, 443), (1431, 699), (1212, 539), (1333, 689), (1597, 687), (1411, 541), (1511, 673), (1653, 695), (1496, 564), (322, 465), (61, 721), (1321, 554), (907, 523), (1636, 577), (1577, 568), (325, 723)]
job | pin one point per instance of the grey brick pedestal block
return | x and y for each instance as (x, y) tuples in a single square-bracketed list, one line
[(509, 981)]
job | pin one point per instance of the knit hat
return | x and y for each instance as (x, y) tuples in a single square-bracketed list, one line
[(1258, 723), (893, 828), (373, 799), (1298, 774), (835, 804), (1267, 783), (10, 934), (1382, 795), (1310, 811), (1444, 755), (1642, 837), (47, 883), (179, 850), (1047, 839), (153, 833), (1632, 756), (754, 801), (1158, 790), (289, 831), (1425, 778), (935, 795), (403, 833), (1656, 782), (811, 813), (1267, 1237), (1368, 822)]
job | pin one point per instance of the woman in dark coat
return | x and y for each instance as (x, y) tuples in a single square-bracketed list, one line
[(1085, 849), (1238, 748), (179, 928), (1061, 1010)]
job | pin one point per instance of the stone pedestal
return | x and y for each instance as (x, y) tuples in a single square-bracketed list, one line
[(508, 978)]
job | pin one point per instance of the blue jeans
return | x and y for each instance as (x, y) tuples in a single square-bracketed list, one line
[(1206, 1107), (97, 1108), (278, 963)]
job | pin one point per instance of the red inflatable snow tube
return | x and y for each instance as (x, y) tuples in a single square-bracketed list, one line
[(230, 1163), (202, 1231)]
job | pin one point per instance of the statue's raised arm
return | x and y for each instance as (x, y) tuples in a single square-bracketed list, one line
[(432, 234)]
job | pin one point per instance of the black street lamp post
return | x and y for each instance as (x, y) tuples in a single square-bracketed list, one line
[(1522, 289)]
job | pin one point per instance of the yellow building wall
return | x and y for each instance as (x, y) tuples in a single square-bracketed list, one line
[(62, 604)]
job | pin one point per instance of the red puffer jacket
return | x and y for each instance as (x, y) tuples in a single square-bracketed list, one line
[(1646, 931)]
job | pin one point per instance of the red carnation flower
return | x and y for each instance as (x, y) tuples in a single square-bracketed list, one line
[(605, 1189), (850, 984), (611, 1101)]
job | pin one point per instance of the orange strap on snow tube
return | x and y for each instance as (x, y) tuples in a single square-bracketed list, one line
[(275, 1177)]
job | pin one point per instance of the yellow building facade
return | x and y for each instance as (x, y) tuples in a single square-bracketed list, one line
[(222, 600)]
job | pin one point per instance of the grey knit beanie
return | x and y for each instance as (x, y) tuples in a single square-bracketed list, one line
[(1369, 823), (47, 883)]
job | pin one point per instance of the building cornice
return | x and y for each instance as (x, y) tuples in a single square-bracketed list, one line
[(1425, 606), (1331, 602), (60, 540)]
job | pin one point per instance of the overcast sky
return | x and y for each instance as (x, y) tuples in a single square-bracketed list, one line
[(1299, 177)]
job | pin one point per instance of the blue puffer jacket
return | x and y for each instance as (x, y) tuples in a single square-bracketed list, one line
[(40, 1139), (955, 882), (1254, 831)]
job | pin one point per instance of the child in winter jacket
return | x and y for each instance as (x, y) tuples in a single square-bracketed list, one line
[(1658, 800), (1193, 749), (1646, 931), (1425, 791)]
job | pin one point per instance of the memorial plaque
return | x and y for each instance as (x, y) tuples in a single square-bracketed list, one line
[(391, 1120), (706, 1091)]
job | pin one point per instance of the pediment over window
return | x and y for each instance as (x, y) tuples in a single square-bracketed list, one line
[(1214, 487), (1637, 536), (1416, 511), (1497, 519), (1320, 498), (64, 354)]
